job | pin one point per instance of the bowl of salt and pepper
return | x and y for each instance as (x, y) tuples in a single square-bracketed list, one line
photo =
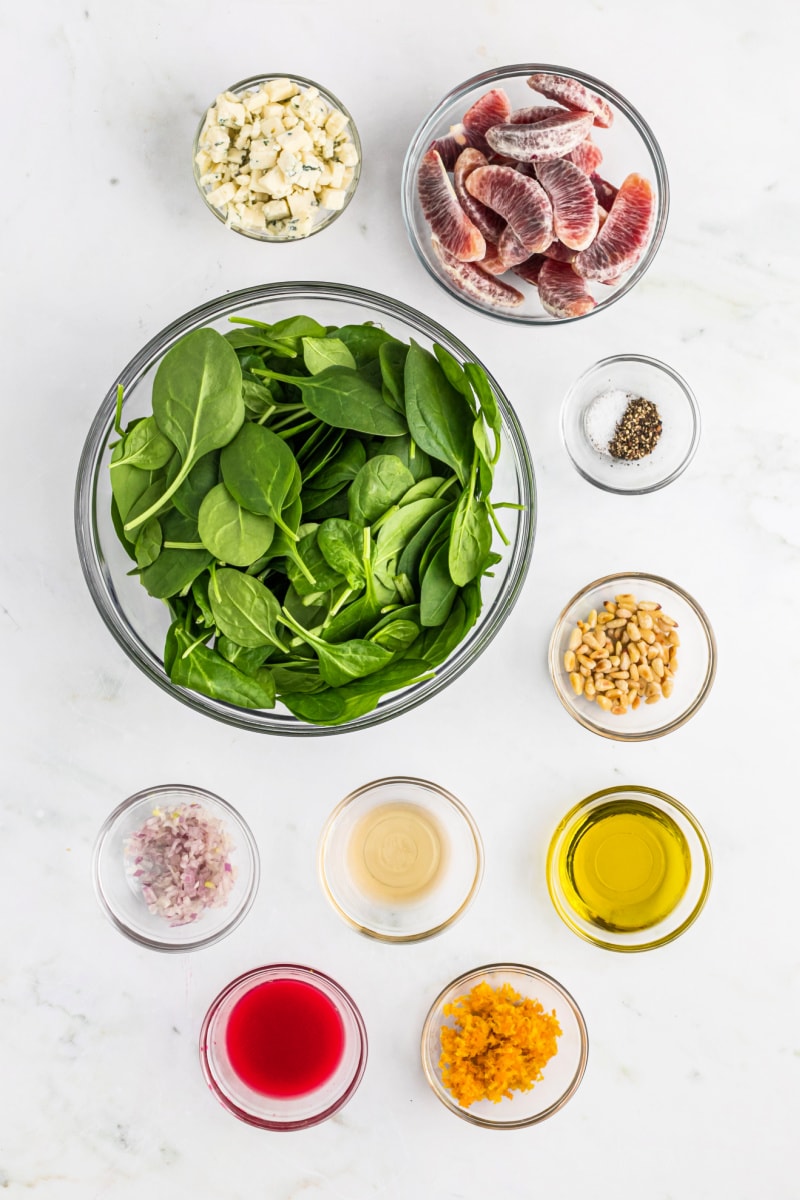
[(630, 424)]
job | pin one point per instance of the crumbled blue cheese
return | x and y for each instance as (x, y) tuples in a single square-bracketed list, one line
[(274, 159)]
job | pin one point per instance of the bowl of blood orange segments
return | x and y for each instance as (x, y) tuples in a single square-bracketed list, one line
[(283, 1047), (608, 167)]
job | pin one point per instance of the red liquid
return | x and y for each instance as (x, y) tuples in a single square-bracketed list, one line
[(284, 1038)]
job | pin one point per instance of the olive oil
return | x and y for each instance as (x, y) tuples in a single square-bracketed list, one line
[(625, 867), (396, 853)]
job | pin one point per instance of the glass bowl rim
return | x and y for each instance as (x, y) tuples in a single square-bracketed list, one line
[(684, 387), (271, 970), (255, 80), (463, 812), (420, 141), (478, 973), (516, 563), (554, 662), (250, 847), (668, 803)]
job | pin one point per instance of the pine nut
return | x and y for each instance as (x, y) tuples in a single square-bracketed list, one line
[(569, 661), (575, 639), (577, 683)]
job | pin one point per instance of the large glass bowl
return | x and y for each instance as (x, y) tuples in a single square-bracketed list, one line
[(629, 146), (139, 623)]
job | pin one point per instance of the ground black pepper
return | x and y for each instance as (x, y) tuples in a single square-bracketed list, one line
[(638, 430)]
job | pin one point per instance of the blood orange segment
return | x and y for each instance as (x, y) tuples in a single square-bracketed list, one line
[(530, 268), (562, 292), (510, 249), (492, 262), (573, 95), (552, 137), (621, 242), (476, 283), (490, 223), (533, 114), (522, 201), (560, 252), (493, 108), (587, 156), (604, 191), (575, 219), (444, 214), (450, 146)]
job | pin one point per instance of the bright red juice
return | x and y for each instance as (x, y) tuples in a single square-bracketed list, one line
[(284, 1038)]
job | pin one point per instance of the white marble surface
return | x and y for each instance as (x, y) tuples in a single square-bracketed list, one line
[(691, 1089)]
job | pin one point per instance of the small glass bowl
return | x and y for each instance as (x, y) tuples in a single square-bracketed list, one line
[(685, 912), (450, 842), (120, 895), (282, 1113), (139, 623), (628, 146), (697, 658), (323, 217), (562, 1074), (677, 408)]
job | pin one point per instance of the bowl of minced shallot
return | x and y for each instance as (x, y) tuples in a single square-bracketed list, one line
[(175, 868)]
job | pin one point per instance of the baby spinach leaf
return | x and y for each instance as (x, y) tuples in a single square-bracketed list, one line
[(454, 373), (341, 543), (322, 352), (325, 576), (411, 555), (336, 706), (437, 591), (341, 662), (244, 609), (204, 670), (260, 472), (470, 538), (148, 543), (297, 679), (248, 659), (438, 643), (392, 359), (232, 533), (378, 485), (203, 476), (197, 401), (398, 530), (439, 418), (396, 635), (409, 453), (144, 446), (344, 399), (364, 341), (486, 398)]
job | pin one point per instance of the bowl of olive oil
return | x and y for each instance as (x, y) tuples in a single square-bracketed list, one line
[(629, 868)]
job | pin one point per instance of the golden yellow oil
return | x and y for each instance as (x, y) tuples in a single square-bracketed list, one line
[(396, 853), (625, 867)]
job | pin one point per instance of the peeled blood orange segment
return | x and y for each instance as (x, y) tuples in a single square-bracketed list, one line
[(533, 114), (492, 262), (476, 283), (490, 223), (620, 243), (444, 214), (530, 268), (575, 219), (573, 95), (522, 201), (450, 146), (587, 155), (604, 191), (560, 252), (510, 249), (493, 108), (561, 291), (552, 137)]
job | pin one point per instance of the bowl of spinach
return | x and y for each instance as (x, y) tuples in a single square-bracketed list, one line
[(304, 508)]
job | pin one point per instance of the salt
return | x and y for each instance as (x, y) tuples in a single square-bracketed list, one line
[(603, 415)]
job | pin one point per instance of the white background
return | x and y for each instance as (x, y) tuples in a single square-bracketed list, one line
[(691, 1087)]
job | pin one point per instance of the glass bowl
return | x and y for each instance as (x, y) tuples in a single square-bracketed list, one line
[(628, 146), (400, 859), (561, 1075), (649, 871), (139, 623), (279, 1109), (321, 217), (693, 675), (589, 416), (120, 894)]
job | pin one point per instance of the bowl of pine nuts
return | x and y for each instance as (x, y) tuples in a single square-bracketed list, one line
[(632, 657)]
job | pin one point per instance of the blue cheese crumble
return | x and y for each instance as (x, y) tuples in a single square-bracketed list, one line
[(276, 159)]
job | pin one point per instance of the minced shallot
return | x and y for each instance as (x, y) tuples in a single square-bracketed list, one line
[(181, 859)]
